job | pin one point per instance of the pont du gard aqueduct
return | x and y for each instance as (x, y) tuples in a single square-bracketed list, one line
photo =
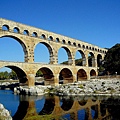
[(28, 37)]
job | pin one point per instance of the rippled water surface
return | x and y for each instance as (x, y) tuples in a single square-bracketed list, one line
[(60, 108)]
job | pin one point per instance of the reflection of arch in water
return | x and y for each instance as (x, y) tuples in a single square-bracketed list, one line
[(39, 104), (67, 104), (95, 109), (102, 109), (22, 110), (82, 102), (48, 106)]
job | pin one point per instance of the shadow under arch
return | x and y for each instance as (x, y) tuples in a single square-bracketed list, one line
[(21, 43), (65, 76), (81, 75), (20, 74), (69, 61), (66, 104), (82, 102), (92, 73), (48, 106), (47, 75), (50, 50)]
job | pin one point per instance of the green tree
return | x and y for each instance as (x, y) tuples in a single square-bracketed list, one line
[(39, 73), (4, 75), (112, 60), (13, 75)]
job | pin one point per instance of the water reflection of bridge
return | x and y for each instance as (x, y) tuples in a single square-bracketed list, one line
[(54, 108)]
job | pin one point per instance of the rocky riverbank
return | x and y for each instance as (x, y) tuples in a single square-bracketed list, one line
[(4, 113), (90, 87)]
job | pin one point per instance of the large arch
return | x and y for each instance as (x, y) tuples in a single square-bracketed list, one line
[(69, 61), (20, 42), (50, 50), (91, 60), (81, 75), (81, 61), (20, 74), (47, 75), (65, 76)]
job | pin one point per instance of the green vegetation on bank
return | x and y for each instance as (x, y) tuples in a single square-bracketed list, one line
[(8, 75), (112, 60)]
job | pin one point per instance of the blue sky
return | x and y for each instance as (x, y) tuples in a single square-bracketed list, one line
[(93, 21)]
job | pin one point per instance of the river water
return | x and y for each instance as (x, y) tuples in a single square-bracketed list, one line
[(50, 107)]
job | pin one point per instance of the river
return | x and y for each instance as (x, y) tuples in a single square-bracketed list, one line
[(51, 107)]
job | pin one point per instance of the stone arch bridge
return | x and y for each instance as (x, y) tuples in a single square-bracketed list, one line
[(28, 37)]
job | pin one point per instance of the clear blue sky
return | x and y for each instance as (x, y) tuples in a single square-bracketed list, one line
[(93, 21)]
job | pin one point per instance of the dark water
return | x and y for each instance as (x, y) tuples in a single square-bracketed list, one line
[(60, 108)]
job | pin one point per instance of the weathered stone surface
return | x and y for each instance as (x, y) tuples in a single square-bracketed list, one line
[(4, 113), (53, 42)]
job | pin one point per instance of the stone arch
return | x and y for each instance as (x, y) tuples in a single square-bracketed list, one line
[(81, 75), (69, 43), (79, 45), (57, 40), (50, 38), (87, 47), (5, 27), (50, 49), (74, 44), (47, 75), (92, 73), (21, 74), (63, 41), (35, 34), (82, 60), (99, 60), (26, 32), (43, 36), (69, 62), (91, 60), (65, 76), (83, 46), (93, 48), (21, 43), (16, 30)]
